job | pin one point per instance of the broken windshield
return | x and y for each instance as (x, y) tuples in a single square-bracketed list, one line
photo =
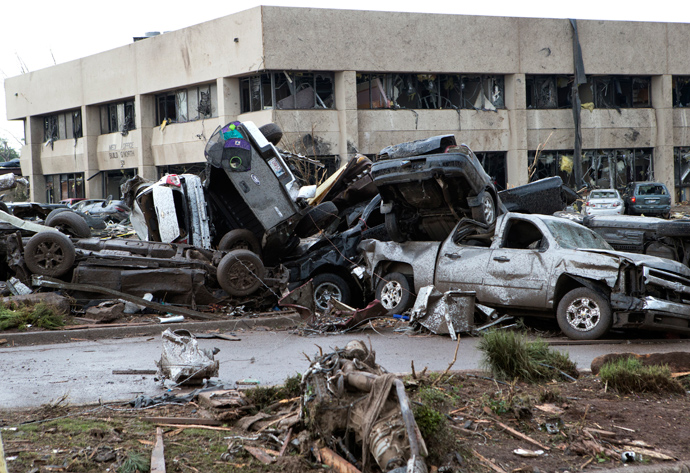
[(573, 236)]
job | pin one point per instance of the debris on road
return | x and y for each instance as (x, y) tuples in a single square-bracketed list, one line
[(183, 362)]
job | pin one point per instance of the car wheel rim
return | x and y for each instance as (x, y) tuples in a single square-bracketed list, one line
[(243, 275), (391, 294), (583, 314), (488, 209), (324, 292), (49, 255)]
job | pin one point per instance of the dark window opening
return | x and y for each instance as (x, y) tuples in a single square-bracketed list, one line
[(64, 186), (607, 169), (287, 90), (682, 173), (681, 91), (192, 168), (545, 92), (429, 91), (494, 163), (62, 126), (522, 235), (118, 117), (183, 105), (112, 180)]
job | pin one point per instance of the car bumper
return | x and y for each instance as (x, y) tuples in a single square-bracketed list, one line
[(650, 209), (611, 211)]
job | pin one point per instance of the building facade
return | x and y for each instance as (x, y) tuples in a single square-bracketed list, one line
[(341, 82)]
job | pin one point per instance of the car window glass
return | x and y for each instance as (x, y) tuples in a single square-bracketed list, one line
[(573, 236)]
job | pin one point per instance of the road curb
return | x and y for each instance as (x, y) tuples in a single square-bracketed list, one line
[(66, 336)]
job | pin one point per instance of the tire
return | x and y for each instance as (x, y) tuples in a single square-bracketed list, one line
[(240, 272), (676, 228), (316, 219), (327, 286), (392, 228), (584, 314), (394, 293), (49, 254), (272, 132), (486, 211), (53, 213), (5, 208), (70, 223), (240, 239)]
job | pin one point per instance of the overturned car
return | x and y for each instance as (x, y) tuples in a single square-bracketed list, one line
[(538, 265)]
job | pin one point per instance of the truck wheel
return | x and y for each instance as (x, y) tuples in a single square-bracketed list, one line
[(330, 286), (394, 293), (392, 228), (69, 223), (272, 132), (584, 314), (240, 272), (240, 239), (486, 211), (316, 219), (49, 254)]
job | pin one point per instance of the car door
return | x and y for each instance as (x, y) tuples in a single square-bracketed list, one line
[(461, 267), (519, 268)]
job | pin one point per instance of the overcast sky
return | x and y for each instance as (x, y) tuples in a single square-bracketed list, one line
[(36, 34)]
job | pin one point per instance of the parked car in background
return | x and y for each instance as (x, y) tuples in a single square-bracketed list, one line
[(604, 202), (648, 198), (534, 265), (115, 210), (71, 201)]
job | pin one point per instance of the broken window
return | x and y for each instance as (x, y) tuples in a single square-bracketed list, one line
[(682, 173), (183, 105), (494, 163), (544, 92), (429, 91), (287, 90), (112, 180), (610, 168), (522, 235), (681, 91), (189, 168), (118, 117), (617, 92), (62, 126), (64, 186)]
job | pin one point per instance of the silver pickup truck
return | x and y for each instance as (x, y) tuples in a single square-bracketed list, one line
[(538, 265)]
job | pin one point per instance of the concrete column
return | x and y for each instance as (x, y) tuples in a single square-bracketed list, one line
[(228, 98), (516, 103), (91, 129), (30, 159), (346, 105), (144, 118), (662, 102)]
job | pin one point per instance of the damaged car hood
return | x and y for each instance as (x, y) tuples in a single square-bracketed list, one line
[(646, 260)]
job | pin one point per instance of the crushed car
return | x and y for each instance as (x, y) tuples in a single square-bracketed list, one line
[(428, 185), (538, 265)]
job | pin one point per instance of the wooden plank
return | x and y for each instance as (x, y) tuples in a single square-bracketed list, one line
[(197, 426), (335, 461), (3, 465), (158, 454), (520, 435), (260, 455), (135, 371)]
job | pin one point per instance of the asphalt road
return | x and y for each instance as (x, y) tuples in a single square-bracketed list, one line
[(83, 370)]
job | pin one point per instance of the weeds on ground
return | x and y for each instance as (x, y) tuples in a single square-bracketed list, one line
[(509, 355), (135, 463), (263, 397), (40, 315), (628, 375)]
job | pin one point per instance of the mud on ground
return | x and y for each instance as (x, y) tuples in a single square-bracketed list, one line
[(590, 426)]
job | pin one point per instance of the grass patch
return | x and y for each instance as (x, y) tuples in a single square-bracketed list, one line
[(40, 315), (135, 463), (263, 397), (509, 355), (628, 375)]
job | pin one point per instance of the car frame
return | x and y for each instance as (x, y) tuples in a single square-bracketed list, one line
[(531, 267)]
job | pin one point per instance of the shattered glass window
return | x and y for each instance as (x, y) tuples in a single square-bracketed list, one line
[(181, 106), (573, 236), (619, 91), (606, 168), (429, 91), (117, 117), (288, 90), (549, 91), (494, 163), (64, 186), (62, 126), (682, 173), (681, 91)]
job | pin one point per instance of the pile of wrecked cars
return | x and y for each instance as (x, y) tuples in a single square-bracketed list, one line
[(424, 215)]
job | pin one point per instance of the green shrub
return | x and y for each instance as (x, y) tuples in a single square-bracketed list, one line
[(628, 375), (41, 315), (509, 355)]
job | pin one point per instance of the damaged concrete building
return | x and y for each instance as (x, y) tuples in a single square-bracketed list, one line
[(596, 102)]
